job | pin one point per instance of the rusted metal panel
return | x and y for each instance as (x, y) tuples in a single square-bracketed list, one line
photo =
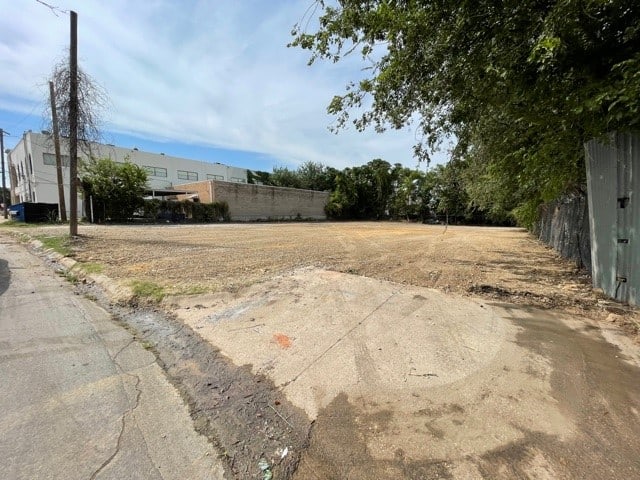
[(613, 181)]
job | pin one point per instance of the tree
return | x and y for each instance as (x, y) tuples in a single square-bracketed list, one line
[(411, 197), (362, 192), (6, 194), (92, 100), (283, 177), (316, 176), (116, 190), (520, 84), (75, 99), (448, 194), (258, 177), (309, 175)]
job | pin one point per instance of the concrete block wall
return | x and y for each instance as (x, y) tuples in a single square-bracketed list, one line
[(260, 202)]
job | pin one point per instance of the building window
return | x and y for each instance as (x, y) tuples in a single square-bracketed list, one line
[(214, 177), (185, 175), (236, 179), (50, 159), (155, 171)]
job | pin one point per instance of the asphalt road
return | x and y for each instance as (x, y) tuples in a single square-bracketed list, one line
[(81, 399)]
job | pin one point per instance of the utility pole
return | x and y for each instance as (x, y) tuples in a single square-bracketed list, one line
[(56, 142), (4, 184), (73, 126)]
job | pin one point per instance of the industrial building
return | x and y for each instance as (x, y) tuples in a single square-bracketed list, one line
[(32, 168), (32, 171), (260, 202)]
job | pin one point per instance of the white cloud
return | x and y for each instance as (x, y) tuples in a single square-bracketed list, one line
[(212, 73)]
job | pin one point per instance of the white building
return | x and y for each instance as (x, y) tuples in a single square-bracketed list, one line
[(32, 169)]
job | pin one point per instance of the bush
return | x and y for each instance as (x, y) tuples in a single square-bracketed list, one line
[(151, 209), (176, 211)]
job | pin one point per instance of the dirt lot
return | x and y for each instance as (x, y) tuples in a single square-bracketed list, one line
[(290, 338), (504, 263)]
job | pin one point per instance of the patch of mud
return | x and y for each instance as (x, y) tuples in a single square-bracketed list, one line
[(243, 415), (338, 449), (516, 296), (524, 459), (597, 389)]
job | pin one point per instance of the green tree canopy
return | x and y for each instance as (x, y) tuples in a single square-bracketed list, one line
[(520, 84), (284, 177), (316, 176), (309, 175), (258, 177), (362, 192), (117, 189)]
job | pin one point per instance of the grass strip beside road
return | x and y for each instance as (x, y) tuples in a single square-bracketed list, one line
[(58, 243)]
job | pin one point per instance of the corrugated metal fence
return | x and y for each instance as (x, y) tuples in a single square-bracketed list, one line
[(613, 181), (564, 225)]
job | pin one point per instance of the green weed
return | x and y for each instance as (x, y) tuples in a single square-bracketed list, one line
[(90, 267), (68, 276), (60, 244), (15, 223), (145, 289), (192, 290)]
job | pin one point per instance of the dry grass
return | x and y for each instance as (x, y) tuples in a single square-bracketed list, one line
[(500, 263)]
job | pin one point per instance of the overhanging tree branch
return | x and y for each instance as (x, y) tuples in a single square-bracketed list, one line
[(53, 8)]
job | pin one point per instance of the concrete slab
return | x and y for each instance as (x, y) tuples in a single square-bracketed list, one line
[(412, 361), (318, 333)]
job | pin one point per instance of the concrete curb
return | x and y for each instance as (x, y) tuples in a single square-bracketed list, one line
[(114, 291)]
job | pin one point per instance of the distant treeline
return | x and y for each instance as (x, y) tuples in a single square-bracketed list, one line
[(379, 190)]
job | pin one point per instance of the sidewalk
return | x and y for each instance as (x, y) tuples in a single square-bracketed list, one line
[(81, 399)]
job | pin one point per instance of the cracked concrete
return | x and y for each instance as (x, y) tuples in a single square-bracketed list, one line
[(129, 412), (406, 382), (81, 398)]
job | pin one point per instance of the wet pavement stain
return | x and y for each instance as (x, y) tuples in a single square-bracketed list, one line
[(246, 417), (594, 387), (338, 448)]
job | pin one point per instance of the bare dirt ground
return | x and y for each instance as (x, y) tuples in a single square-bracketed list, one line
[(506, 264), (210, 258), (322, 341)]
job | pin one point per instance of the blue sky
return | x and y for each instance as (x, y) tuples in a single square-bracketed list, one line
[(209, 80)]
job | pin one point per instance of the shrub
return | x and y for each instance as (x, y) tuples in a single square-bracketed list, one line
[(174, 211)]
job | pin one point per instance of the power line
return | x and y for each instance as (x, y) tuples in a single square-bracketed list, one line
[(53, 8), (15, 125)]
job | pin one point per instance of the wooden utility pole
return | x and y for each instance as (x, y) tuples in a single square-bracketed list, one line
[(56, 143), (73, 126), (4, 183)]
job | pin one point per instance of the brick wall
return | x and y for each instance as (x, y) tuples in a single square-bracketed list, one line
[(260, 202)]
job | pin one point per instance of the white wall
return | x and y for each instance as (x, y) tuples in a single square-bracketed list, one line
[(41, 184)]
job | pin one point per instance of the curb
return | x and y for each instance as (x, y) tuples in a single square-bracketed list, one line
[(115, 292)]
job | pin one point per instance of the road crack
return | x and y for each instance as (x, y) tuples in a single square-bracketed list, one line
[(123, 418), (341, 338)]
